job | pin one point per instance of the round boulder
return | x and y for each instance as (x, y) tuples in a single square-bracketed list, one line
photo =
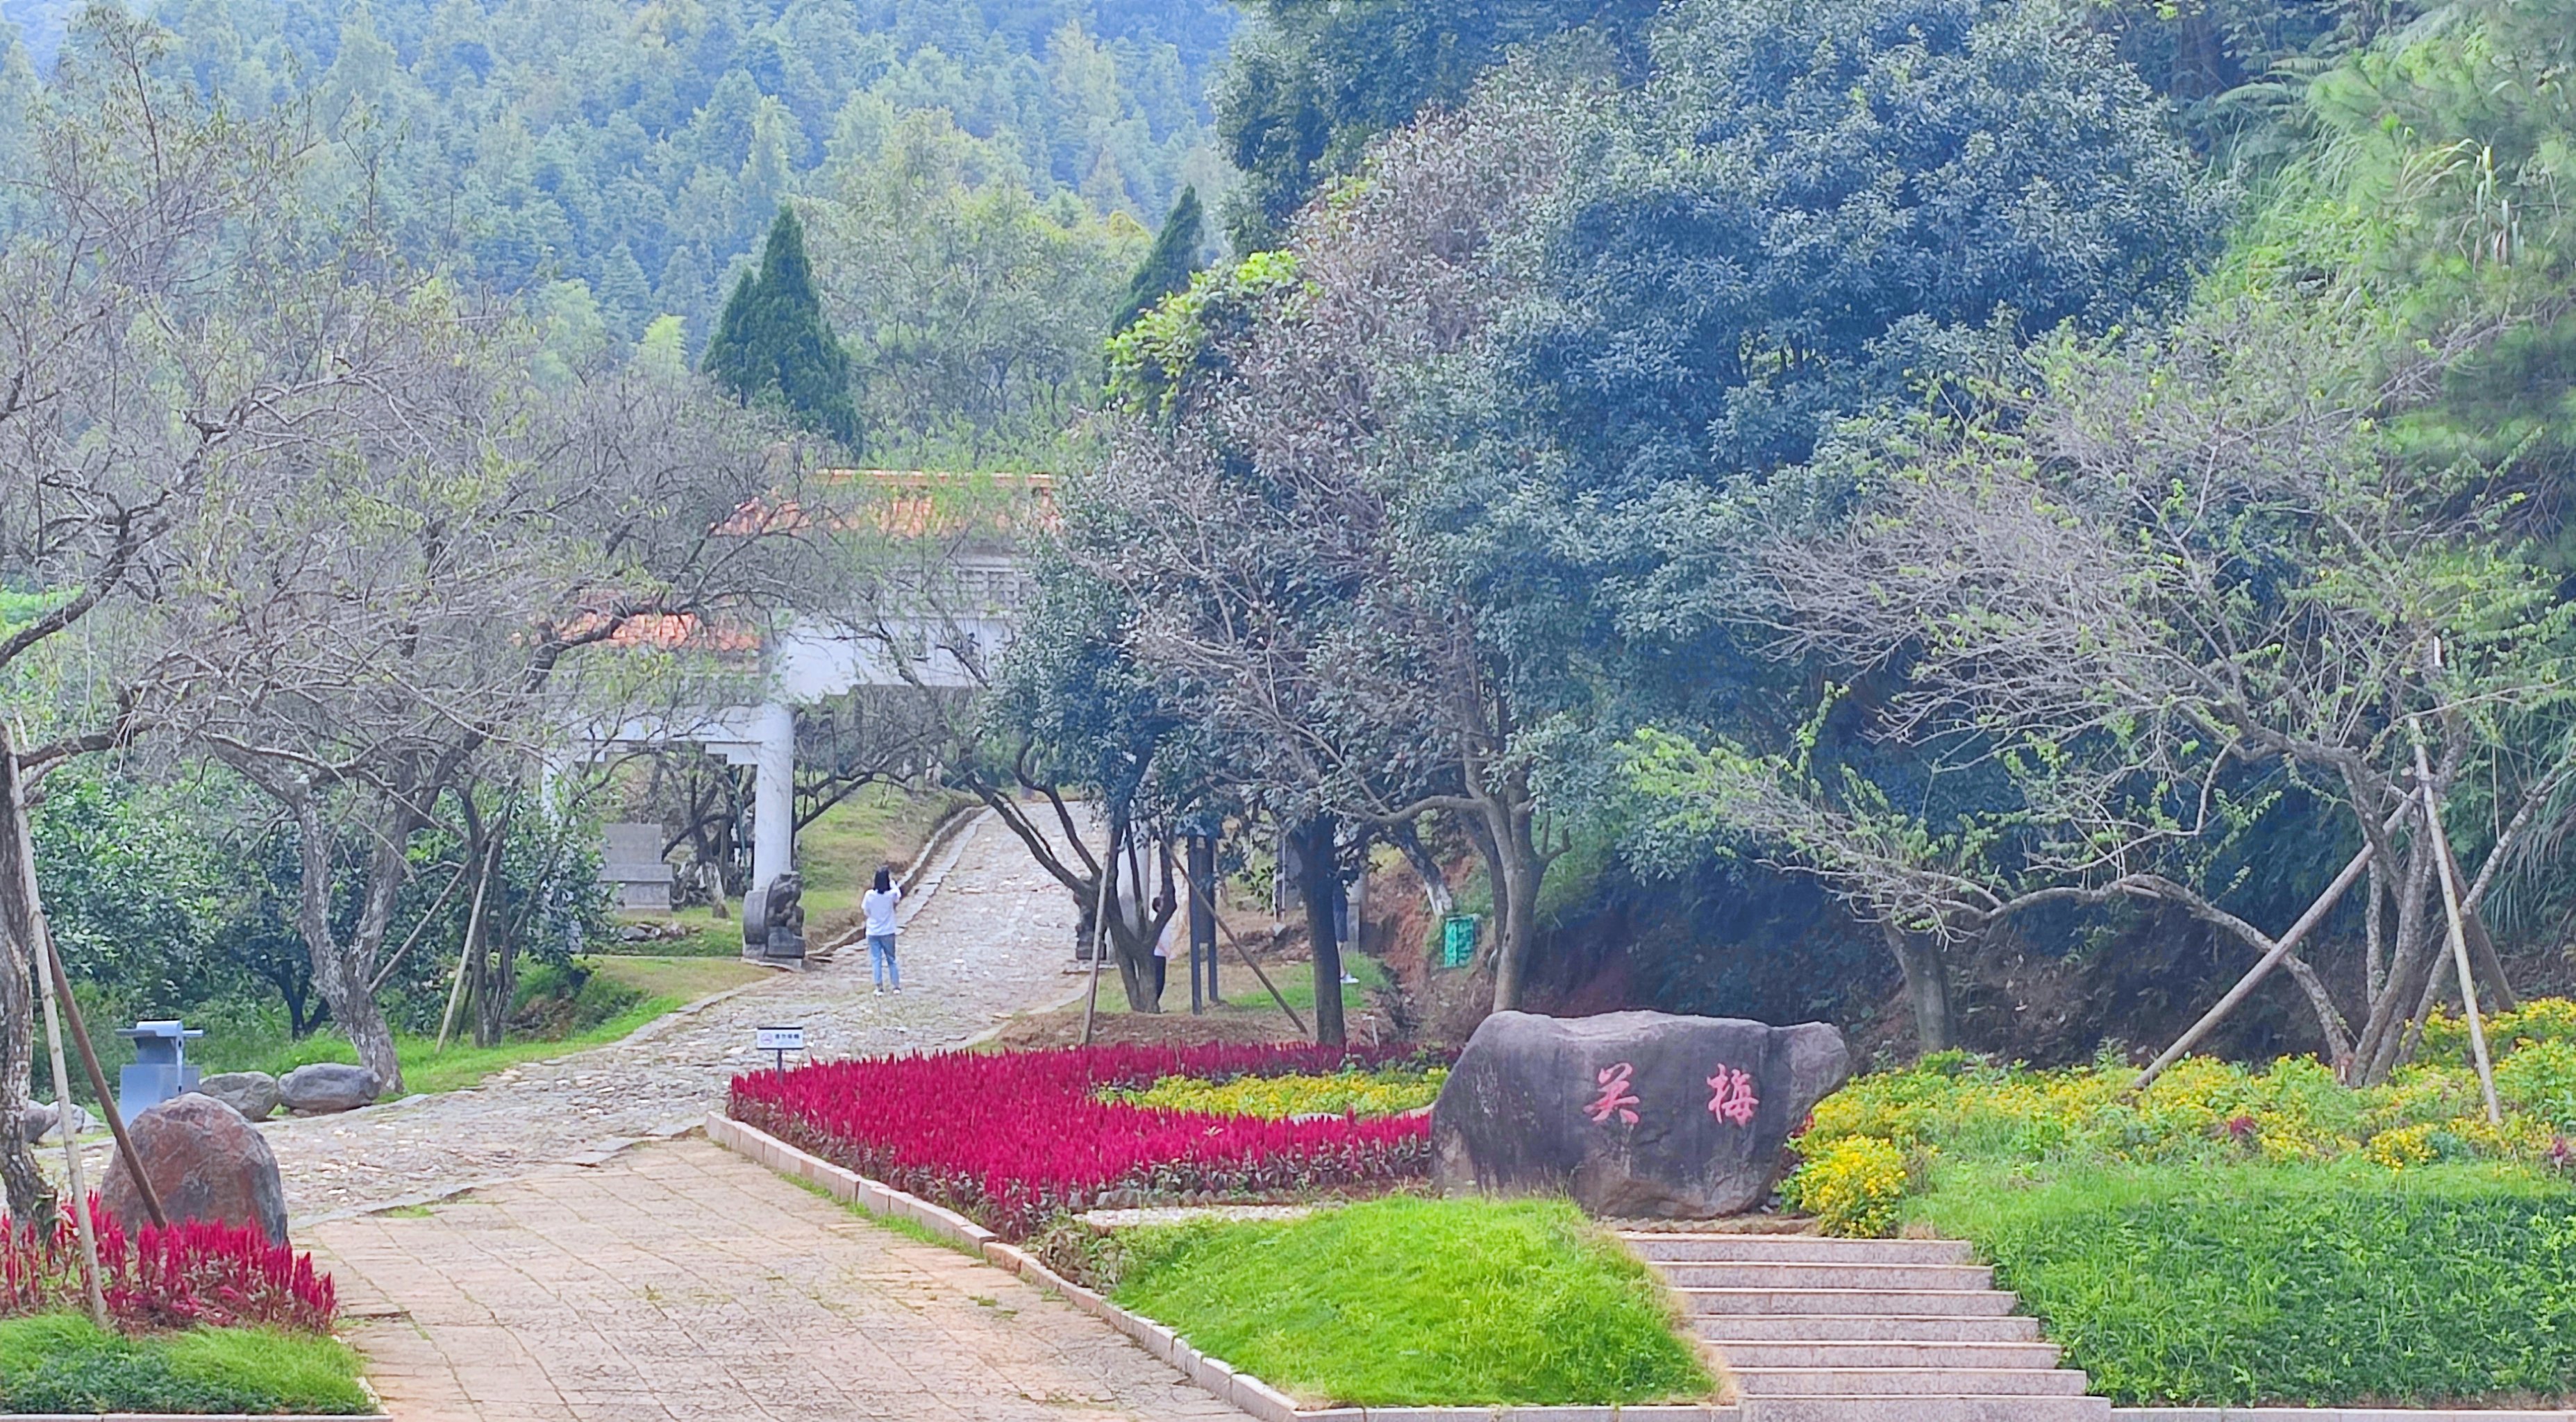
[(40, 1120), (205, 1162), (252, 1093), (325, 1087), (1631, 1113)]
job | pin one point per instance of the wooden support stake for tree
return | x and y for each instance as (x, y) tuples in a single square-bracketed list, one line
[(1246, 955), (2459, 934), (473, 941), (45, 966), (107, 1106), (2281, 948), (1099, 937), (82, 1225)]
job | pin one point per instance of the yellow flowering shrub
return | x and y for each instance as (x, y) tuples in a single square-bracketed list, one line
[(2205, 1110), (1344, 1093), (1852, 1186), (2402, 1146)]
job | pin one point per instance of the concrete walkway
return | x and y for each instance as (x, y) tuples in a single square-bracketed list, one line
[(581, 1274), (683, 1281)]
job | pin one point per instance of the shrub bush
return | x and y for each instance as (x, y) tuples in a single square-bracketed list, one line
[(2316, 1285), (1277, 1098), (1853, 1186), (1013, 1139)]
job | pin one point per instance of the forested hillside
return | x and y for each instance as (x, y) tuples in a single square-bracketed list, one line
[(642, 149)]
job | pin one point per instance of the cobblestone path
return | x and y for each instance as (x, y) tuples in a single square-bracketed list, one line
[(587, 1276), (989, 935)]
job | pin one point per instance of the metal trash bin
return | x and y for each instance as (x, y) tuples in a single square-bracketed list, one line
[(160, 1069)]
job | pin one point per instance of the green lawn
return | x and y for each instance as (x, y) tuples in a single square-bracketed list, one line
[(428, 1070), (1411, 1301), (62, 1363), (2310, 1284)]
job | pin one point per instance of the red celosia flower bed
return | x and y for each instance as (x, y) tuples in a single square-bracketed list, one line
[(1012, 1139), (193, 1272)]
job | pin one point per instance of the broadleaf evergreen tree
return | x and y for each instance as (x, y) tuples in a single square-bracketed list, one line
[(773, 343), (1168, 267)]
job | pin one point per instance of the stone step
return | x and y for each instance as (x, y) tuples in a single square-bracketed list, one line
[(1907, 1382), (1791, 1249), (1848, 1353), (1925, 1409), (1945, 1278), (1724, 1328), (1951, 1303)]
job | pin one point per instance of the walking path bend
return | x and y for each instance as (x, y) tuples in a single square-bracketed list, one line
[(549, 1249)]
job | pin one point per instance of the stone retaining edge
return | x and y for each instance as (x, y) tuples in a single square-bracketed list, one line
[(1245, 1391)]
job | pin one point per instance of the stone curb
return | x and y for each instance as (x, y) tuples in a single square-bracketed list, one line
[(1245, 1391)]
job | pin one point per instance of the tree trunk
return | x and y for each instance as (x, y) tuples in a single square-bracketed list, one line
[(1518, 869), (1435, 884), (1927, 987), (29, 1197), (1321, 887), (340, 971)]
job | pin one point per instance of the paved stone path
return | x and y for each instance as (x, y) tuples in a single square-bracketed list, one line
[(588, 1276), (681, 1281), (990, 934)]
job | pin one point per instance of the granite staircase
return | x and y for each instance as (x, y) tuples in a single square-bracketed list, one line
[(1865, 1330)]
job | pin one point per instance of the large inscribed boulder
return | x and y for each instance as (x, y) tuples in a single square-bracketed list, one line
[(1634, 1114), (206, 1163), (325, 1087)]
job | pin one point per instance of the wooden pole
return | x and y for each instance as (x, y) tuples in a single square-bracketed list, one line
[(82, 1225), (107, 1106), (1099, 934), (473, 941), (1246, 955), (45, 965), (2281, 948), (2459, 935)]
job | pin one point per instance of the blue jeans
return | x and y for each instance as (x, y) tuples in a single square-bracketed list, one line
[(881, 957)]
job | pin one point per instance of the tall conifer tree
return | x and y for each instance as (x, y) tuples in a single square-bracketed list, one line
[(773, 343), (1167, 268)]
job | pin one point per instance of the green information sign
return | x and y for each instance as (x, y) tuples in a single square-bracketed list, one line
[(1458, 940)]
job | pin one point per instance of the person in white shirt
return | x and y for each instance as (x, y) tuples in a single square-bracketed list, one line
[(879, 906)]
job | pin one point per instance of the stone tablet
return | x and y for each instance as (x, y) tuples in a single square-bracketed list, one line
[(206, 1163), (1634, 1114), (325, 1087), (252, 1093)]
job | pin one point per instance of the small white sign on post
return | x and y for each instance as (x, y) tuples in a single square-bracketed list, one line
[(778, 1041)]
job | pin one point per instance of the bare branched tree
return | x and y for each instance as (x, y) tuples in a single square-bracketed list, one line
[(2199, 575)]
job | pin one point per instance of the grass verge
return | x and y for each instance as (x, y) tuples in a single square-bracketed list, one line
[(1407, 1301), (2316, 1284), (61, 1363), (425, 1069)]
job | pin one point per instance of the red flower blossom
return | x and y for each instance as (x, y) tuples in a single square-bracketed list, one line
[(1013, 1139), (196, 1271)]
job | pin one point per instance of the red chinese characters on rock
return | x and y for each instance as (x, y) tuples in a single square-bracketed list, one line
[(1615, 1098), (1732, 1099)]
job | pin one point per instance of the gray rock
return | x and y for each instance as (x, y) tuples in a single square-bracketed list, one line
[(205, 1162), (1632, 1113), (39, 1124), (325, 1087), (252, 1093)]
